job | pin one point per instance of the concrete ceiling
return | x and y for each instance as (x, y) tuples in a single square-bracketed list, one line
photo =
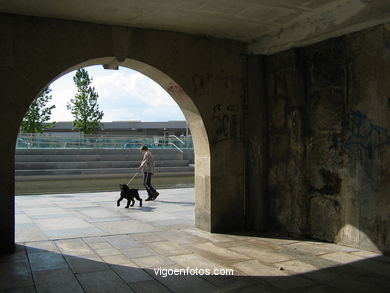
[(267, 26)]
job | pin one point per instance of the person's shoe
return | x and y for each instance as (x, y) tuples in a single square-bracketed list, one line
[(150, 197), (155, 195)]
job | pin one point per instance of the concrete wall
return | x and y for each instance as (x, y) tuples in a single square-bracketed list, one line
[(329, 140), (315, 122), (202, 75)]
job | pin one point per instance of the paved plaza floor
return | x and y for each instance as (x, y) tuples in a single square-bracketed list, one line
[(84, 243)]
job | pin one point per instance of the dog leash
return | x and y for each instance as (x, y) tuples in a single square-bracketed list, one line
[(132, 178)]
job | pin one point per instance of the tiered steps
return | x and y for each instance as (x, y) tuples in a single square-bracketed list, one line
[(73, 162)]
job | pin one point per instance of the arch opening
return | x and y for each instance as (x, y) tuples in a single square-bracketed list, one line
[(192, 116)]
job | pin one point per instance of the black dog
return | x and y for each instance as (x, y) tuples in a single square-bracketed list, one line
[(129, 194)]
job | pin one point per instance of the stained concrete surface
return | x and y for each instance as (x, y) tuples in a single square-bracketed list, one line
[(266, 26), (326, 137), (84, 243)]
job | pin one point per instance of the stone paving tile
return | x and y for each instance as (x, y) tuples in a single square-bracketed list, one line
[(103, 282), (73, 233), (218, 254), (23, 219), (45, 211), (264, 244), (233, 243), (155, 216), (186, 284), (277, 240), (342, 257), (98, 213), (197, 261), (257, 288), (209, 236), (296, 266), (19, 254), (131, 274), (47, 261), (311, 248), (118, 260), (154, 261), (134, 242), (29, 232), (180, 236), (29, 289), (60, 280), (291, 283), (91, 221), (148, 237), (124, 227), (151, 286), (343, 282), (86, 263), (15, 274), (78, 205), (171, 222), (123, 241), (336, 247), (107, 251), (61, 223), (373, 266), (74, 247), (260, 254), (376, 279), (167, 248), (99, 245), (180, 227), (256, 268), (235, 283), (41, 246), (96, 239), (320, 289), (137, 252), (366, 253)]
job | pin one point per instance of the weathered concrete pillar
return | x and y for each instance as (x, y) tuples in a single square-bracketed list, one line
[(256, 138), (11, 110)]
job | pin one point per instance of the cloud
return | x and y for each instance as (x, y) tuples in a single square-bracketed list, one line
[(123, 95)]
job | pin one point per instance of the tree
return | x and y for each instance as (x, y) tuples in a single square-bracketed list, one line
[(84, 106), (35, 120)]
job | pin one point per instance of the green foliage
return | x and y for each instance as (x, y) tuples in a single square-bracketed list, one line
[(35, 120), (84, 106)]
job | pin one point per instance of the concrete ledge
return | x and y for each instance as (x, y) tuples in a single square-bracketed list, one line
[(98, 171), (97, 176), (91, 151), (86, 158), (19, 166)]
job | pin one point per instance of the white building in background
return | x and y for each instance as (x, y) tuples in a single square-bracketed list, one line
[(127, 128)]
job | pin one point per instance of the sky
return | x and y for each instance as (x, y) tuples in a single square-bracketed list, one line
[(124, 95)]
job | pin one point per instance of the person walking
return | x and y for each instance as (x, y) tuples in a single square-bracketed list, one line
[(147, 167)]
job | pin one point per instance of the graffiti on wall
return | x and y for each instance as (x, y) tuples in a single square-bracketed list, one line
[(175, 91), (361, 134), (228, 122)]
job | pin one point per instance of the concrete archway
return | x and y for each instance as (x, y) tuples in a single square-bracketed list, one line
[(190, 111), (202, 75)]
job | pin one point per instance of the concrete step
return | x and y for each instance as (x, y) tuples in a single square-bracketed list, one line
[(92, 151), (86, 158), (94, 164), (107, 171)]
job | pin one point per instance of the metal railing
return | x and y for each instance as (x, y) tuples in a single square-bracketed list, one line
[(39, 141)]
